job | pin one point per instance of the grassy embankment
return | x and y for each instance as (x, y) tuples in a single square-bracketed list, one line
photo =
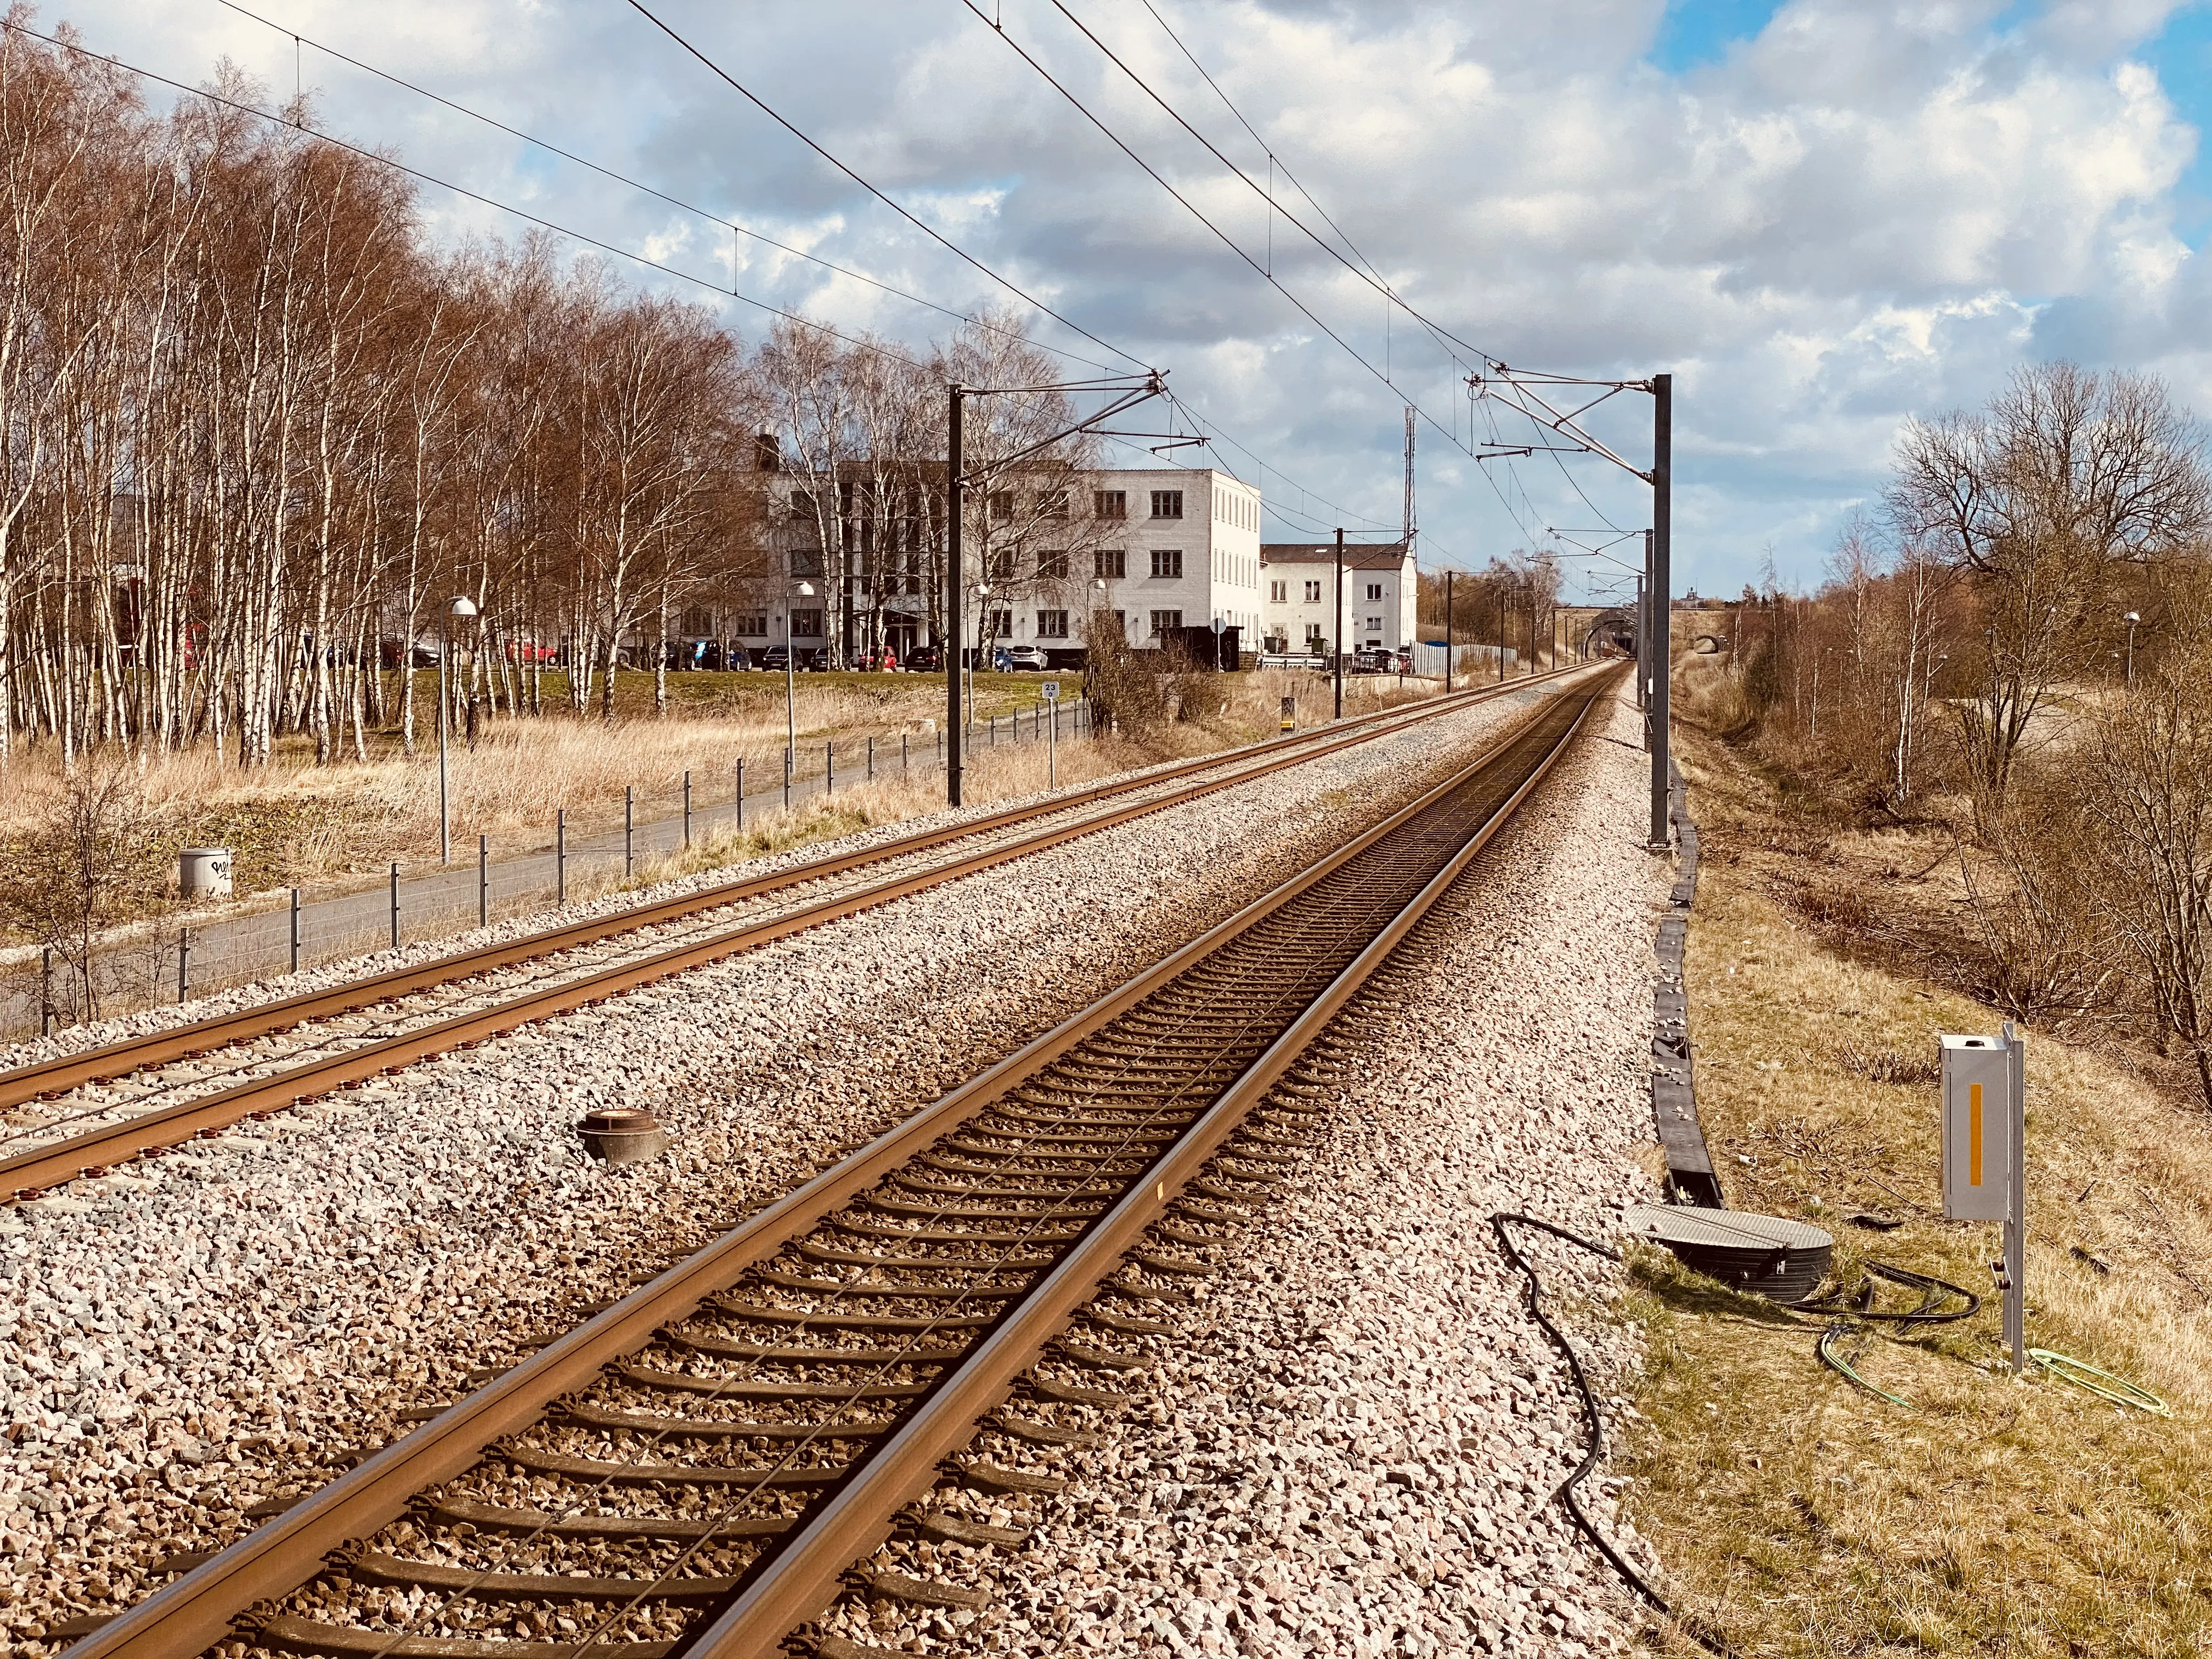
[(1797, 1515)]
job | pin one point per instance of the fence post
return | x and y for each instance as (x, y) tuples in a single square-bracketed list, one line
[(687, 809), (787, 777), (741, 797), (871, 760), (906, 762), (561, 855), (46, 991), (395, 906), (484, 881), (829, 769), (184, 963), (629, 801), (295, 930)]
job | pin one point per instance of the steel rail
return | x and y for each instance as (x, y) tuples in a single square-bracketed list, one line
[(50, 1078), (94, 1152), (202, 1606), (803, 1576)]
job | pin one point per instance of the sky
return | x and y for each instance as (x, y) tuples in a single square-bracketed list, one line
[(1823, 218)]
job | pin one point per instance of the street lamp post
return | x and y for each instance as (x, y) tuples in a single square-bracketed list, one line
[(464, 607), (805, 591), (2134, 618)]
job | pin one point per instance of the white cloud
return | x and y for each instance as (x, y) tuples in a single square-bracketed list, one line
[(1870, 211)]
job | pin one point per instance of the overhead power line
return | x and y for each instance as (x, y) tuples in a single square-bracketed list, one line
[(1226, 241), (658, 194), (922, 225), (524, 214), (598, 243)]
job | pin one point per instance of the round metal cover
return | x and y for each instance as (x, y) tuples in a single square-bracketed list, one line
[(1781, 1260), (1723, 1230)]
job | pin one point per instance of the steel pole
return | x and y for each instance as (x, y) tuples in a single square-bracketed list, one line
[(1662, 590), (444, 816), (1448, 637), (953, 645), (1338, 626)]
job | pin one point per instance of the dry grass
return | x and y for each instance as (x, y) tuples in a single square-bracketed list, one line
[(1798, 1516), (297, 824)]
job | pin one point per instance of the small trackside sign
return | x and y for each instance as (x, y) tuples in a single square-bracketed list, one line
[(1977, 1128), (1050, 690)]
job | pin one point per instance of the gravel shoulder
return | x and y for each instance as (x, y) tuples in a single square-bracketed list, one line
[(1350, 1442), (216, 1327)]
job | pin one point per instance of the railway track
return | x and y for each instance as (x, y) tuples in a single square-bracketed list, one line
[(697, 1469), (84, 1113)]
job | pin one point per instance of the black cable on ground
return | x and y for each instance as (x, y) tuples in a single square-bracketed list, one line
[(1567, 1494), (1934, 1293)]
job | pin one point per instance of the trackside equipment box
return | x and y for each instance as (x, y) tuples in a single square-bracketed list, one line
[(1979, 1128)]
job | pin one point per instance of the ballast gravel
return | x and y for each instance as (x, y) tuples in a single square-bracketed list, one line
[(218, 1327), (1351, 1442)]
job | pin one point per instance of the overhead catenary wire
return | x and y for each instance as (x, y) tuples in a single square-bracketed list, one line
[(1226, 241), (897, 207), (492, 201), (658, 194)]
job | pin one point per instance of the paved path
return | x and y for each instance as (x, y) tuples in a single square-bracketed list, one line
[(439, 902)]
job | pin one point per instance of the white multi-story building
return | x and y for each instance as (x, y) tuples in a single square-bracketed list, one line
[(1381, 587), (1173, 547), (1159, 549)]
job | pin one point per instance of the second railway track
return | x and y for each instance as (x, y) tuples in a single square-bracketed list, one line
[(696, 1469), (465, 998)]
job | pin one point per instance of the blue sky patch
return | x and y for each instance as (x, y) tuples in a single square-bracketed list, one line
[(1696, 32)]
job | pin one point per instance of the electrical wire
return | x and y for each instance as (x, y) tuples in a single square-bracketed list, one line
[(919, 223), (551, 148), (1595, 1451), (1213, 429), (1226, 241), (524, 214)]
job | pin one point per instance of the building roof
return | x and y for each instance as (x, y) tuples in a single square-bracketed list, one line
[(1357, 555)]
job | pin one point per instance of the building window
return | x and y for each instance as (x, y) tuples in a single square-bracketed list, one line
[(998, 625), (806, 562), (1052, 624), (1374, 593), (1313, 632), (1121, 623), (802, 506), (1052, 564), (1313, 593), (698, 620), (999, 565), (1167, 503), (1167, 562), (1279, 593), (1111, 503), (1002, 505), (1051, 503), (751, 626), (1166, 621), (1111, 562), (807, 624), (1375, 623)]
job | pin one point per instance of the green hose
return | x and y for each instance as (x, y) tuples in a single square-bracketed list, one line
[(1843, 1366), (2083, 1375)]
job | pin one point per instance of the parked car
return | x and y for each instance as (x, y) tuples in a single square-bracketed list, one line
[(925, 660), (774, 657), (1023, 658)]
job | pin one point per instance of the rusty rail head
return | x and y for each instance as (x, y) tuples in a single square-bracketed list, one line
[(199, 1609), (804, 1573), (68, 1071)]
